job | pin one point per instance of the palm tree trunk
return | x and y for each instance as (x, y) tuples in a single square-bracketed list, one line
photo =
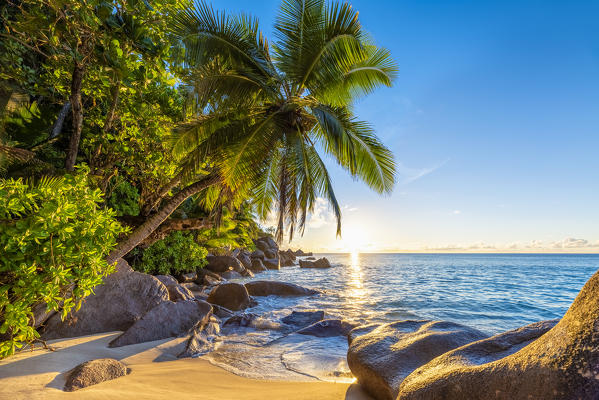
[(154, 199), (77, 107), (153, 222)]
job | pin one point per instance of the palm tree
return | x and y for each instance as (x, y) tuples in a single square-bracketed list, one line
[(264, 115)]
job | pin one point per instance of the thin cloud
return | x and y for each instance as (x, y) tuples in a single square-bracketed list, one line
[(408, 175)]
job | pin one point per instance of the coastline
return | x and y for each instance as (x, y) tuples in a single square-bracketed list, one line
[(156, 373)]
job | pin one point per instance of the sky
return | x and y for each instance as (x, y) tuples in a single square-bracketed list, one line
[(493, 121)]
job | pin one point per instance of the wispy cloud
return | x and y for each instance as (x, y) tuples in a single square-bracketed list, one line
[(566, 244), (408, 175)]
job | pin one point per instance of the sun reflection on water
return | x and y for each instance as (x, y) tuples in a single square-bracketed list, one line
[(356, 292)]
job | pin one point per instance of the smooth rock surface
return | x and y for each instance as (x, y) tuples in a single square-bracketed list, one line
[(268, 288), (382, 356), (166, 320), (272, 263), (179, 293), (328, 328), (93, 372), (302, 319), (233, 296), (125, 297), (223, 263), (561, 364), (167, 280), (320, 263), (257, 254), (228, 275), (257, 266)]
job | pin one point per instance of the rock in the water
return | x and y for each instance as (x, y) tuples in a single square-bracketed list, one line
[(230, 295), (268, 288), (328, 328), (287, 258), (124, 298), (179, 293), (242, 320), (93, 372), (300, 253), (386, 354), (221, 311), (230, 275), (224, 263), (244, 257), (272, 263), (257, 254), (320, 263), (301, 319), (202, 339), (165, 320), (268, 253), (561, 364), (257, 265), (247, 273)]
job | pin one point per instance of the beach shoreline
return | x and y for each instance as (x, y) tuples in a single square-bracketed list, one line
[(156, 373)]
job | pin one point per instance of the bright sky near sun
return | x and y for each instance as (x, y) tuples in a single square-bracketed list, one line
[(494, 123)]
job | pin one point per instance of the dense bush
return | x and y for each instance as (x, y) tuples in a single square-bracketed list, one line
[(177, 253), (54, 238)]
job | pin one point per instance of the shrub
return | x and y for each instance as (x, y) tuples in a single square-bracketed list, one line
[(124, 199), (176, 254), (54, 238)]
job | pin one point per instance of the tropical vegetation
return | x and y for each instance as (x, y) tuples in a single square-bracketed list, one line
[(161, 130)]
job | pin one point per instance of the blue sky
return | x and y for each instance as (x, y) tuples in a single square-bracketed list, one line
[(494, 122)]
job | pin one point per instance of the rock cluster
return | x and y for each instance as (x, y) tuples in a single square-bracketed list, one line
[(320, 263), (381, 356)]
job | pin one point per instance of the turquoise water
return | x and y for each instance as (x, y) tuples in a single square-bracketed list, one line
[(490, 292)]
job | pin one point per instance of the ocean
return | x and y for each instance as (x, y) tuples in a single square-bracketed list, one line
[(490, 292)]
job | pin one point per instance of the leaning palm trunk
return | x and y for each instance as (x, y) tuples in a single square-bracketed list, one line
[(153, 222)]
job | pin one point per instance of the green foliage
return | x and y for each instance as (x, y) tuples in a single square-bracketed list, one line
[(271, 107), (54, 237), (124, 199), (177, 253)]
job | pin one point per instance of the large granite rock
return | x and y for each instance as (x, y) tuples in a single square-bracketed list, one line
[(301, 319), (167, 280), (176, 292), (320, 263), (165, 320), (417, 384), (230, 295), (561, 364), (202, 339), (268, 288), (257, 254), (381, 356), (93, 372), (124, 298), (244, 257), (328, 328), (228, 275), (272, 263), (179, 293), (266, 243), (257, 266), (300, 253), (287, 258), (224, 263)]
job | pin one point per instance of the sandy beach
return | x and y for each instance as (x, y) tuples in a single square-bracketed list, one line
[(155, 374)]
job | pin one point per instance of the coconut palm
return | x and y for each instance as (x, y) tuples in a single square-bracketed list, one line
[(264, 114)]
